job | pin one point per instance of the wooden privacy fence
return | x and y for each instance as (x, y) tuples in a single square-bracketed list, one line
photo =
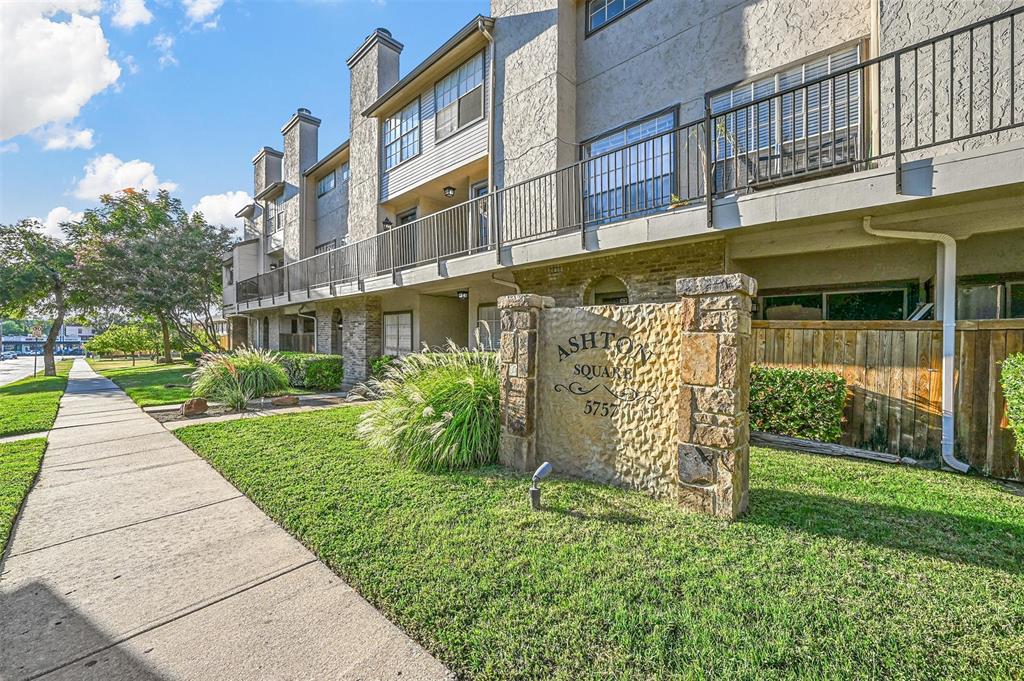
[(893, 371)]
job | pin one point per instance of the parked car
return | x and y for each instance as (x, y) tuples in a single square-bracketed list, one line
[(8, 354)]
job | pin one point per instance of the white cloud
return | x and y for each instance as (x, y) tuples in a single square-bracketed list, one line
[(9, 148), (131, 13), (57, 216), (50, 69), (202, 12), (61, 136), (164, 44), (220, 209), (129, 62), (107, 174)]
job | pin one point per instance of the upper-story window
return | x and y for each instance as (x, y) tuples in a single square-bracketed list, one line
[(459, 97), (807, 113), (402, 135), (275, 214), (325, 184), (601, 12), (631, 134), (342, 173)]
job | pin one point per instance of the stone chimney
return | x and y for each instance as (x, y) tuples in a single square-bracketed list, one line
[(374, 70), (266, 169), (300, 152)]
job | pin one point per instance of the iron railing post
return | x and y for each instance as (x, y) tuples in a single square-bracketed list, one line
[(583, 205), (391, 243), (709, 183), (898, 114), (437, 248)]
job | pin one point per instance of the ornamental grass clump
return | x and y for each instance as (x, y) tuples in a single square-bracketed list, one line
[(248, 373), (436, 411)]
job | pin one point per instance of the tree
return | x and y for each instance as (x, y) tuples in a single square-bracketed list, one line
[(128, 339), (149, 257), (38, 272)]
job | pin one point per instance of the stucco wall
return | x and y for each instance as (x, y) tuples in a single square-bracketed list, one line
[(331, 212), (668, 52), (443, 318)]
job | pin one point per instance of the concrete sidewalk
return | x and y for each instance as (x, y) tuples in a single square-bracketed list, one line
[(134, 559)]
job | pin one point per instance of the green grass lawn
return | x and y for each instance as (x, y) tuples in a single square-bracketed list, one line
[(840, 569), (30, 405), (147, 381), (19, 463)]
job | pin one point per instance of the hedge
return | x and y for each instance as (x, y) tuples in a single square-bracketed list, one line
[(805, 403), (318, 372), (1012, 378)]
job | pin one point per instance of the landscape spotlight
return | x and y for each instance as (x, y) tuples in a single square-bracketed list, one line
[(541, 473)]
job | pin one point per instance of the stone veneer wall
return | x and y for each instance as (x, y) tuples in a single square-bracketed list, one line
[(649, 275), (676, 422)]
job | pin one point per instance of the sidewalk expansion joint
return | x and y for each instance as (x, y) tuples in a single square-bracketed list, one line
[(122, 527), (174, 618)]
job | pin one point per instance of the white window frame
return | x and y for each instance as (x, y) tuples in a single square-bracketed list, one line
[(401, 136), (275, 215), (321, 184), (786, 114), (599, 9), (453, 90), (396, 320)]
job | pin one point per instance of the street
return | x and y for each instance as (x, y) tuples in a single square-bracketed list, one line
[(15, 369)]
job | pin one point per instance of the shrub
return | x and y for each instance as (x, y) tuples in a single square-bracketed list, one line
[(380, 365), (324, 372), (192, 357), (255, 372), (1012, 378), (327, 370), (805, 403), (437, 411)]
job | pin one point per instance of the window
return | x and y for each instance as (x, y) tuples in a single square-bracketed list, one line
[(601, 12), (326, 246), (630, 171), (397, 333), (803, 120), (402, 135), (275, 215), (406, 217), (459, 97), (343, 173), (865, 304), (325, 184), (229, 274), (488, 322), (1015, 299), (978, 301)]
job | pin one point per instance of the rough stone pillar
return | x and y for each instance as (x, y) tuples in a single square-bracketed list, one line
[(520, 319), (714, 456), (360, 337)]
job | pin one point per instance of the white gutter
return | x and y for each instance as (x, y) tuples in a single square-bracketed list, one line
[(945, 289), (298, 313)]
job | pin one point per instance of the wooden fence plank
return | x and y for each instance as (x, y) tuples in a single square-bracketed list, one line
[(979, 402)]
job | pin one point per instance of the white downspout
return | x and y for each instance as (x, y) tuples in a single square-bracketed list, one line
[(490, 105), (510, 284), (298, 313), (945, 290)]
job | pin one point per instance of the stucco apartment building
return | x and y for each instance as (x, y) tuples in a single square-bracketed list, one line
[(859, 158)]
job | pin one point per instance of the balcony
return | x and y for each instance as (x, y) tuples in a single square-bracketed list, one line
[(956, 91)]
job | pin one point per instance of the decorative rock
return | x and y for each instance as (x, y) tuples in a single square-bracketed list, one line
[(716, 285), (285, 401), (194, 407)]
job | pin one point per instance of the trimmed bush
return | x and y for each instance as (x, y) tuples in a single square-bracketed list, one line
[(436, 411), (1012, 378), (805, 403), (380, 365), (191, 357), (324, 372), (247, 372), (315, 371)]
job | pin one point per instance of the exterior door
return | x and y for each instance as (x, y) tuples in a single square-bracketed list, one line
[(483, 236)]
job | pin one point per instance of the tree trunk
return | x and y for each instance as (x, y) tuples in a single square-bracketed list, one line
[(165, 332), (49, 367)]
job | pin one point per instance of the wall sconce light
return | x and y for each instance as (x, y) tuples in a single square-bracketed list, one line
[(388, 224), (449, 191), (463, 295), (541, 473)]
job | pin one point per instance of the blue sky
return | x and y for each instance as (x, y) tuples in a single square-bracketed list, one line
[(185, 93)]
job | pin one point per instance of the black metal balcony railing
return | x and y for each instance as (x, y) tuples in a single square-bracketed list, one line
[(960, 86)]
